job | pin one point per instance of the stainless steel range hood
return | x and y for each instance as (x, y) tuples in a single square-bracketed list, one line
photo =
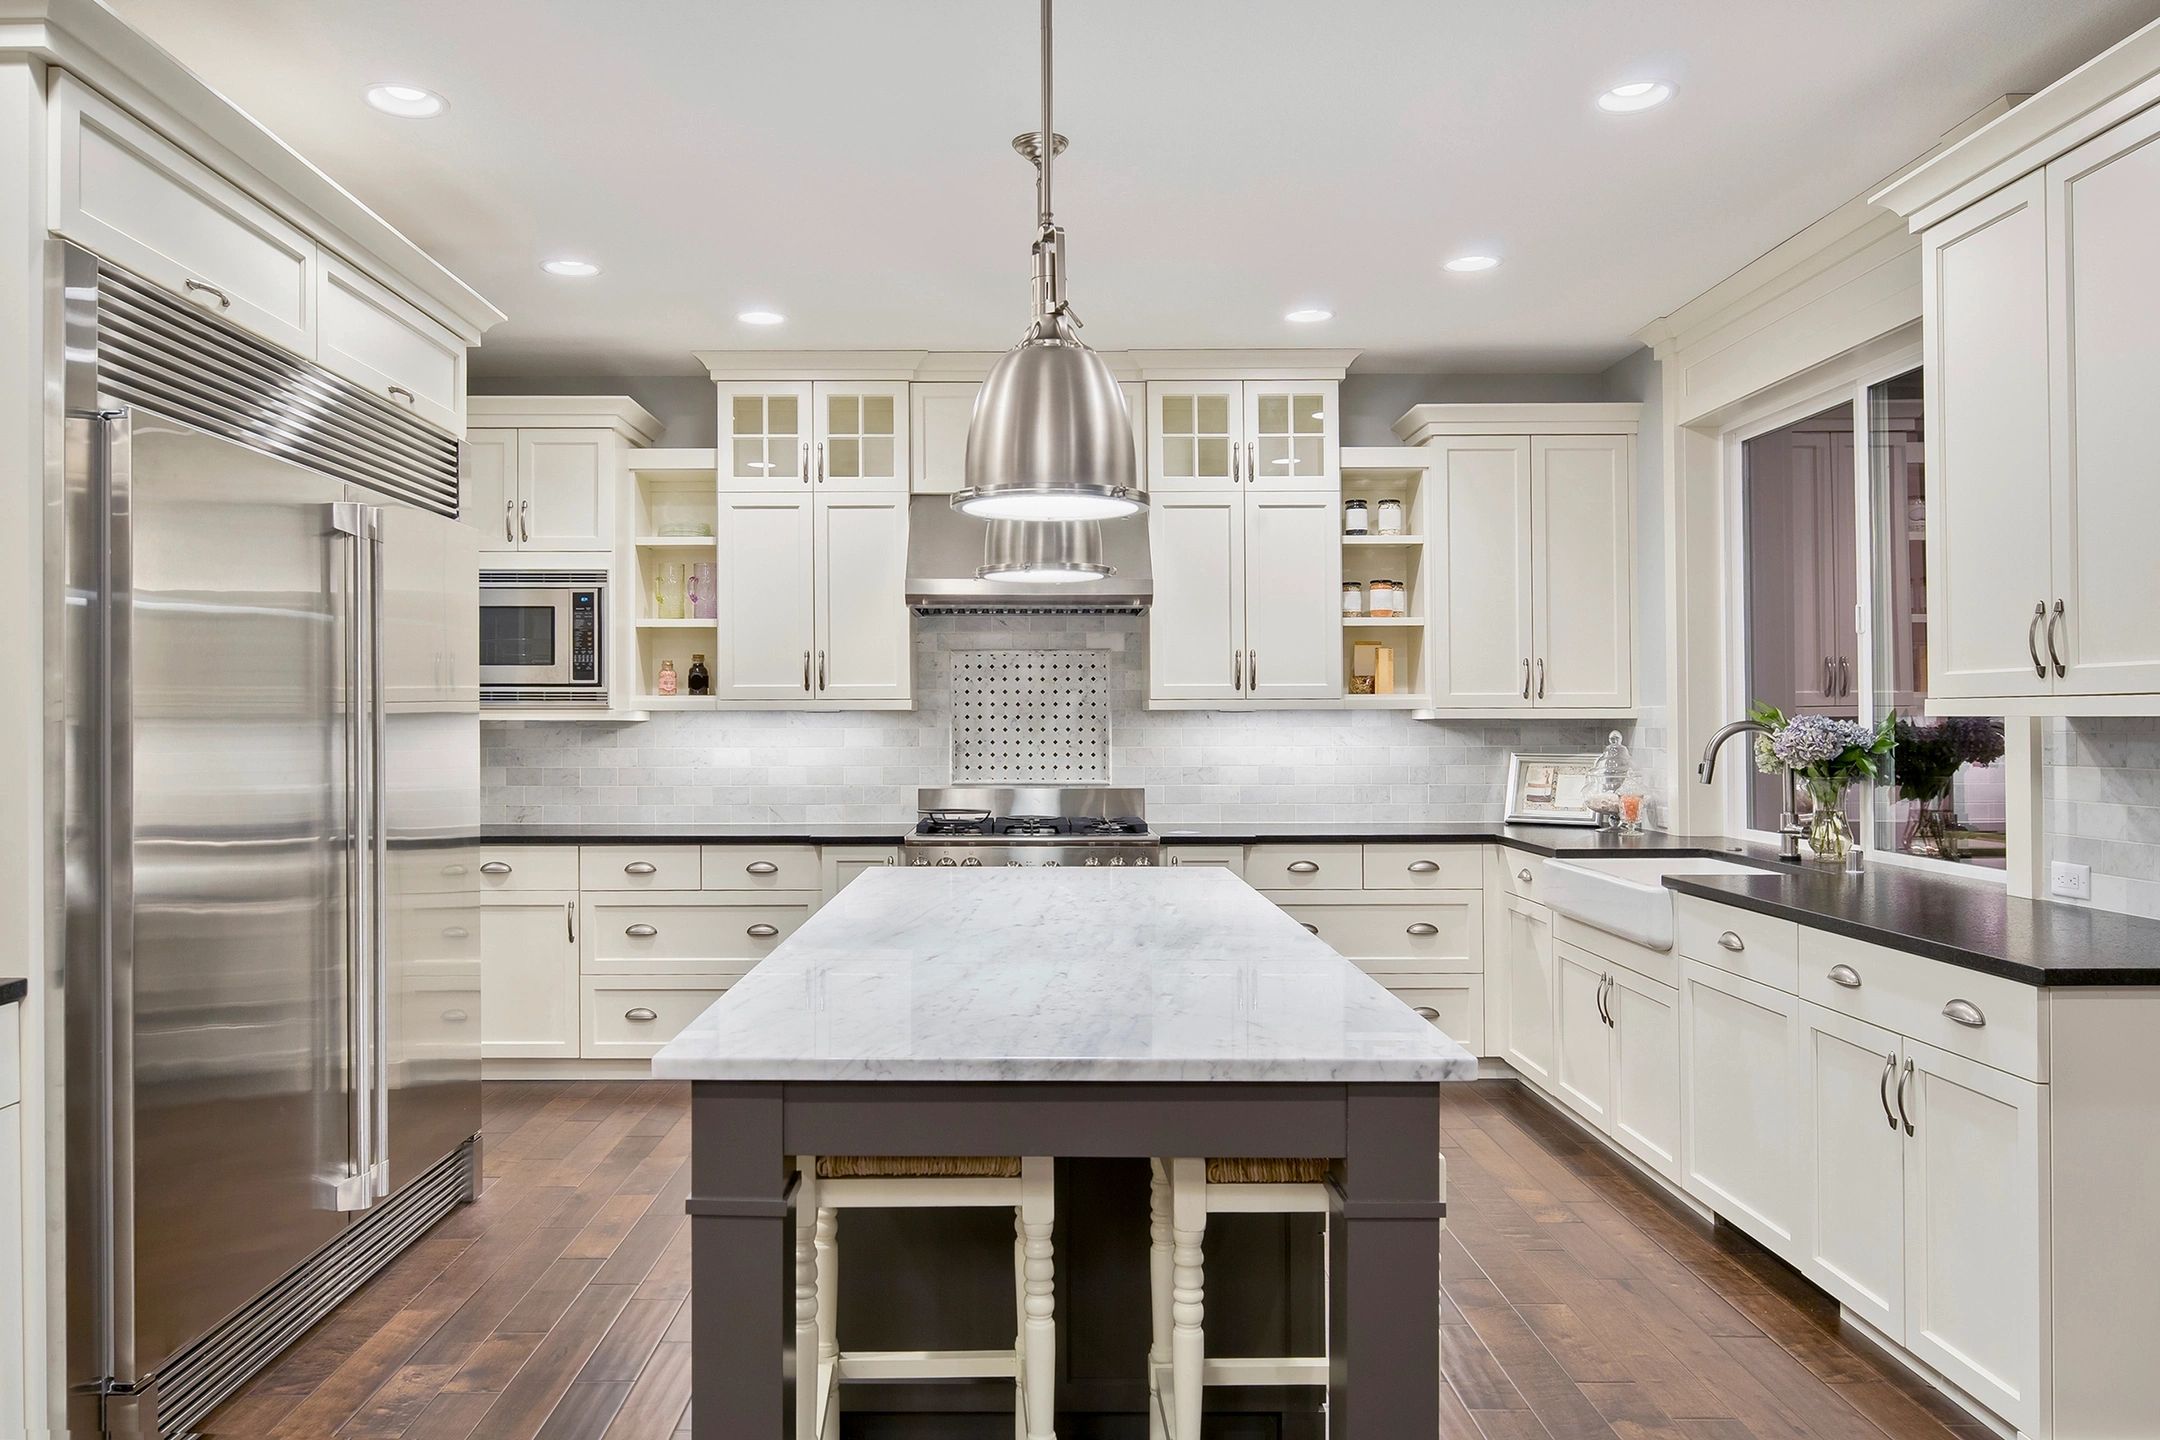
[(945, 548)]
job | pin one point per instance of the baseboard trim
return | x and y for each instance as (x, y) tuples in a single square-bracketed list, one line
[(566, 1070)]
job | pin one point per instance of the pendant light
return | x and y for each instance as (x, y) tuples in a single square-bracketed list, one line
[(1050, 438), (1054, 552)]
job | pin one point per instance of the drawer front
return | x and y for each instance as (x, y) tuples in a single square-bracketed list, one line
[(659, 935), (1760, 947), (1519, 872), (1916, 996), (124, 191), (1454, 1004), (638, 867), (10, 1054), (527, 867), (1222, 857), (630, 1019), (385, 345), (1305, 867), (1439, 933), (1424, 867), (761, 867)]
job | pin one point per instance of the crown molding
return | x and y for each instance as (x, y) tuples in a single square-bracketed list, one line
[(1421, 424), (965, 365), (618, 413)]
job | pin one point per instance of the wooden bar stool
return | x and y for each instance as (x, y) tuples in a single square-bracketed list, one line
[(828, 1184), (1183, 1193)]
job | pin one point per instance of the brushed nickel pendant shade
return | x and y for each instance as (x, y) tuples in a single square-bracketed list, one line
[(1050, 438), (1043, 552)]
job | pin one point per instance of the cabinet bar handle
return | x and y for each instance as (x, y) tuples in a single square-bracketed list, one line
[(1252, 463), (1237, 670), (1423, 867), (1598, 998), (821, 669), (1845, 976), (1882, 1087), (2055, 619), (1525, 677), (2032, 640), (1315, 929), (761, 867), (763, 931), (399, 392), (1252, 669), (1426, 1012), (640, 931), (524, 519), (639, 867), (1541, 677), (569, 913), (820, 462), (1964, 1012), (223, 301), (1829, 677), (1903, 1113), (495, 867), (510, 520), (1844, 676), (1731, 942), (1304, 867), (639, 1015), (806, 672), (1422, 927)]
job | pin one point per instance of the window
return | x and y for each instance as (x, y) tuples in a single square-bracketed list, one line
[(1833, 520)]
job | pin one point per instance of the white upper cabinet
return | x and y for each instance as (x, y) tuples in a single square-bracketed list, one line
[(1293, 614), (1196, 435), (1989, 515), (566, 489), (1196, 626), (120, 189), (378, 341), (861, 436), (865, 648), (939, 413), (1293, 436), (2103, 204), (836, 435), (765, 435), (1481, 651), (1582, 572), (547, 472), (487, 487), (767, 648)]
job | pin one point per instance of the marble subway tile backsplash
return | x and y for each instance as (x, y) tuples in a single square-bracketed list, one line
[(2101, 797), (1196, 765)]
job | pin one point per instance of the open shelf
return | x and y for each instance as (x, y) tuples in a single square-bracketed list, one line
[(1383, 622), (1374, 475), (1384, 542), (676, 542), (678, 624), (675, 702), (687, 461)]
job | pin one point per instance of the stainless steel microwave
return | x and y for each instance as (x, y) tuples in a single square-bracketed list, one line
[(543, 637)]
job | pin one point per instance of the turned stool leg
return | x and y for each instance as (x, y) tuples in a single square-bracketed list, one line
[(1158, 1294), (1038, 1210), (1188, 1293)]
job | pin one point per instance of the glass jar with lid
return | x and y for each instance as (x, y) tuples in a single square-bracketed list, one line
[(1356, 518), (1353, 598), (1391, 517), (1385, 598), (1608, 779)]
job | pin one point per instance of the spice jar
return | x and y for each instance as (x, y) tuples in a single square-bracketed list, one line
[(665, 684), (1391, 517), (1386, 598), (1356, 518), (1353, 598), (700, 677)]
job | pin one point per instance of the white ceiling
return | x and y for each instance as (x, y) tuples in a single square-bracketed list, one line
[(846, 161)]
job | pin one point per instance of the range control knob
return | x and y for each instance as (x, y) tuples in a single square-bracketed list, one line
[(1117, 860), (971, 860), (1091, 860), (1143, 860), (945, 860), (919, 860)]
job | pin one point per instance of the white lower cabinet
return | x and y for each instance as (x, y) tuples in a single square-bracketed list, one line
[(1454, 1004), (1853, 1158), (632, 1019), (1740, 1104), (529, 975), (1525, 958), (839, 864), (1582, 1041), (14, 1418), (1645, 1116)]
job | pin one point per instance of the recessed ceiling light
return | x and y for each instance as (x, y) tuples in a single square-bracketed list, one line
[(761, 317), (1637, 95), (1309, 317), (407, 102), (574, 269), (1470, 264)]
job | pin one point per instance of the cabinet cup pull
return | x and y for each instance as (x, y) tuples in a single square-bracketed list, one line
[(1882, 1087), (1845, 976), (2032, 639), (1964, 1012), (455, 1017), (1422, 927), (399, 392), (639, 1015), (761, 867), (640, 867), (1903, 1113), (1304, 867), (640, 931), (763, 931), (1423, 867), (1523, 876), (455, 932), (453, 869), (1729, 941), (495, 867), (1426, 1012), (1315, 929), (224, 302)]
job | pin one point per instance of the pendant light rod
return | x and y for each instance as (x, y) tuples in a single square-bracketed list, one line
[(1052, 312), (1047, 146)]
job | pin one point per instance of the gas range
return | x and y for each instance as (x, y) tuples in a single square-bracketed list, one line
[(1031, 825)]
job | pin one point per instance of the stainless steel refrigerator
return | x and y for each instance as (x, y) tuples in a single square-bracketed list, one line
[(270, 720)]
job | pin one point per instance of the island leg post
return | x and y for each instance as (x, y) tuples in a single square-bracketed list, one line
[(1384, 1379), (742, 1262)]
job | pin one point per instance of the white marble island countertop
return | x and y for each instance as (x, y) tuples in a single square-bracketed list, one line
[(1169, 974)]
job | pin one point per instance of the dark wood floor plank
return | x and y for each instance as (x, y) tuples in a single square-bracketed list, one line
[(659, 1399)]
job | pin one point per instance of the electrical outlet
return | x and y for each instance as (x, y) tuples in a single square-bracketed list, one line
[(2072, 882)]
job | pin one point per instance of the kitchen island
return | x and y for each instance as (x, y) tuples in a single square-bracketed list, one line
[(1070, 1013)]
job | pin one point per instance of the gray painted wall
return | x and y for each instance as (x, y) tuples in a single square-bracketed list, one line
[(1371, 404), (685, 404)]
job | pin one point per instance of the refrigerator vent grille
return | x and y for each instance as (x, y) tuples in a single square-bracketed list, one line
[(543, 577), (173, 358), (206, 1374)]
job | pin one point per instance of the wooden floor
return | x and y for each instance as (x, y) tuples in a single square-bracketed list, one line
[(1578, 1305)]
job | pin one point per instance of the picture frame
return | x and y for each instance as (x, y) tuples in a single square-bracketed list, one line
[(1549, 789)]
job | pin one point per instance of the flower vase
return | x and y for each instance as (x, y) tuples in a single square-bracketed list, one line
[(1934, 830), (1828, 833)]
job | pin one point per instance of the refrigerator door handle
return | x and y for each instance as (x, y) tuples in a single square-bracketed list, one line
[(378, 855), (355, 1188)]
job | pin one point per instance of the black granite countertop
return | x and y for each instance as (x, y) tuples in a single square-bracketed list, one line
[(1962, 922), (12, 990), (806, 833)]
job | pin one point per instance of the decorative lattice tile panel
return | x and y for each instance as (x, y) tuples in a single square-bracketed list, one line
[(1030, 717)]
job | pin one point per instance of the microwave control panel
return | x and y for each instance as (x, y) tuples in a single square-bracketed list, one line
[(585, 637)]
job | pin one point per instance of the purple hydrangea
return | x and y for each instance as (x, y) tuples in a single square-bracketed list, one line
[(1814, 739)]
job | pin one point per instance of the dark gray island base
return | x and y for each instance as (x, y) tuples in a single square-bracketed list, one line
[(1384, 1231)]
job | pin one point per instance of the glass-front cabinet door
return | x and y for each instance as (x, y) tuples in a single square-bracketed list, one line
[(765, 435), (861, 440), (1196, 434), (1292, 438)]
